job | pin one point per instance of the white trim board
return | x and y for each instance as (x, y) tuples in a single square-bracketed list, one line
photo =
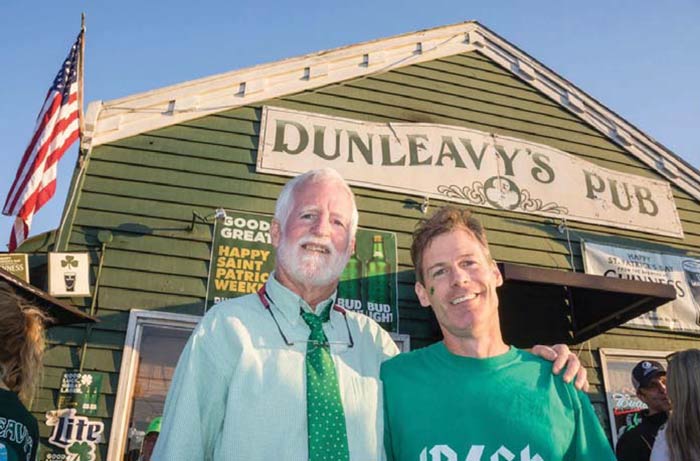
[(121, 118)]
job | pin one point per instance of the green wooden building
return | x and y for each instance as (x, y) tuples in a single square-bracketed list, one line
[(155, 166)]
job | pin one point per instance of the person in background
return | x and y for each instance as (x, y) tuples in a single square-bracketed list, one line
[(286, 373), (22, 345), (679, 439), (471, 396), (649, 381), (149, 440)]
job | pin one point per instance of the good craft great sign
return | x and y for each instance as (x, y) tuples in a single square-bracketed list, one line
[(465, 166)]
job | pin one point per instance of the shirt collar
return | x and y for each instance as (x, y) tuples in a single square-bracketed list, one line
[(290, 304)]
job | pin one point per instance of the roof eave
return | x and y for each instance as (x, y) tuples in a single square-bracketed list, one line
[(132, 115)]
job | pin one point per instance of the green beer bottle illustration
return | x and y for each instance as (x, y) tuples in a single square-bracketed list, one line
[(350, 286), (378, 287)]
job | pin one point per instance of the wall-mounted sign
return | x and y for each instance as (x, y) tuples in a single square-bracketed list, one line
[(243, 258), (69, 274), (623, 405), (80, 390), (466, 166), (16, 264), (73, 437), (369, 282), (681, 272)]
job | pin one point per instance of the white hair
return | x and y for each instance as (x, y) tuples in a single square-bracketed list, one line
[(285, 201)]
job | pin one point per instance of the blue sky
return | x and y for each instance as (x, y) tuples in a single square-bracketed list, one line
[(639, 58)]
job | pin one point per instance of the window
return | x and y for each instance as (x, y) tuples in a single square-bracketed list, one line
[(623, 404), (154, 341)]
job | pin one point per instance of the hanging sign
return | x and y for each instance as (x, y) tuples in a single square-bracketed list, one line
[(465, 166), (243, 257), (15, 264), (69, 274), (681, 272)]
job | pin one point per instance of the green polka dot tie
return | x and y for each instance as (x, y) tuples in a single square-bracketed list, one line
[(328, 440)]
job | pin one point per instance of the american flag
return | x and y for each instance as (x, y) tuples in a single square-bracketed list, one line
[(57, 127)]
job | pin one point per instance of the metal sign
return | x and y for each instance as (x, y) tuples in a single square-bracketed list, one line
[(16, 264), (465, 166), (69, 274), (80, 390), (243, 258), (681, 272)]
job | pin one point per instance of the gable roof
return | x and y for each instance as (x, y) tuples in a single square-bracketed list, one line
[(124, 117)]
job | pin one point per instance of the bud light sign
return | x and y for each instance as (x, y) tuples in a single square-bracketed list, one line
[(368, 283)]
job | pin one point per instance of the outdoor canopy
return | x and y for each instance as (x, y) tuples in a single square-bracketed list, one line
[(60, 313), (547, 306)]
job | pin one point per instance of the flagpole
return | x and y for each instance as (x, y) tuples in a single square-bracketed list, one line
[(81, 85), (76, 180)]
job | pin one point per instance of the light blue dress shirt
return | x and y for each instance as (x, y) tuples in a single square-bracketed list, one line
[(239, 392)]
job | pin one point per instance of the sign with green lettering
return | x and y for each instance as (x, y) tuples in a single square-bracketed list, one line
[(243, 258), (465, 166)]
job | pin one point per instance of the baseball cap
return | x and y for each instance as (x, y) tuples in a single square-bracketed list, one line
[(155, 425), (645, 371)]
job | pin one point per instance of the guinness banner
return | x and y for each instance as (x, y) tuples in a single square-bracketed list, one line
[(465, 166), (681, 272)]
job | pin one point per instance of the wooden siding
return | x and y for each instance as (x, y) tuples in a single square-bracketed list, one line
[(144, 189)]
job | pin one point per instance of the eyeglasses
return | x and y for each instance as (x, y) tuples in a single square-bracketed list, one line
[(266, 300)]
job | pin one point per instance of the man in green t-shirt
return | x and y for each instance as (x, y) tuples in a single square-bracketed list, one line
[(472, 397)]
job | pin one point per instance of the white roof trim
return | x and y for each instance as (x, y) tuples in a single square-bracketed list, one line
[(121, 118)]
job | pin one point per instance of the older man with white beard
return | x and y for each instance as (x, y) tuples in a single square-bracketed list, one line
[(286, 374)]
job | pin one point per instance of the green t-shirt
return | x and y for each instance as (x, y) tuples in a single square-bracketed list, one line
[(19, 431), (441, 406)]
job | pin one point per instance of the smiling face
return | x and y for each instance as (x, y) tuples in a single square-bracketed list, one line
[(315, 241), (459, 282)]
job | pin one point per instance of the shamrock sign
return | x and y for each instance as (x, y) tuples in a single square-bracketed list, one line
[(83, 450), (69, 262)]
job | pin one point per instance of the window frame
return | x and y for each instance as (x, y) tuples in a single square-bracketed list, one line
[(138, 319), (402, 340)]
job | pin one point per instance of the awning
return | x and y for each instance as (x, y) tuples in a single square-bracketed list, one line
[(61, 313), (547, 306)]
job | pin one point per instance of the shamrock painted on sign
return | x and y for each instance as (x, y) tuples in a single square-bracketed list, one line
[(86, 379), (70, 261), (83, 450)]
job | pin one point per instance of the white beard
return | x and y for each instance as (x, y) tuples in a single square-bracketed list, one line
[(311, 268)]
